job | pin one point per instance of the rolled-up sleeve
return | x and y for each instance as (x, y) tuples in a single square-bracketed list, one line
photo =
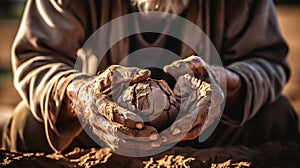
[(43, 58), (254, 49)]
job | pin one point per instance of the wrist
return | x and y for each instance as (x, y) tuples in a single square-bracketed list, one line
[(73, 89), (236, 91), (67, 114), (71, 94), (235, 96)]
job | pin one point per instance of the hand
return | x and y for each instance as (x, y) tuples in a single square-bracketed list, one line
[(199, 98), (92, 103), (195, 65)]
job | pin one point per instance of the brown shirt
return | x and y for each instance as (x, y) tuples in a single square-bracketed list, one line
[(245, 33)]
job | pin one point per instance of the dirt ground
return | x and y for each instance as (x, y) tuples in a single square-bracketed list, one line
[(272, 154)]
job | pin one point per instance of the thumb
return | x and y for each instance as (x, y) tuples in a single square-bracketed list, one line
[(192, 65), (130, 74), (178, 68)]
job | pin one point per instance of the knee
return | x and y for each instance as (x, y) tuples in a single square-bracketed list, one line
[(279, 111), (280, 119), (18, 134)]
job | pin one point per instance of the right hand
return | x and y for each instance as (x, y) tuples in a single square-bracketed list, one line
[(116, 126)]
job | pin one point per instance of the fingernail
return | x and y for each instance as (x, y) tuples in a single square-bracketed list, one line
[(153, 136), (176, 131), (165, 68), (154, 145), (144, 71), (139, 125), (131, 107), (164, 139)]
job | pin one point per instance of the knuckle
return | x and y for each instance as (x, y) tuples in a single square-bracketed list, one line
[(114, 67)]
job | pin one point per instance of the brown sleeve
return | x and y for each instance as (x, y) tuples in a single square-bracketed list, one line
[(255, 50), (43, 58)]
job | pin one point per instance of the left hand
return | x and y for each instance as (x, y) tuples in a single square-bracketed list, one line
[(199, 96)]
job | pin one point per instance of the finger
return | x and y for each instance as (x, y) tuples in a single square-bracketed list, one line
[(179, 128), (191, 65), (148, 133), (205, 118), (127, 118), (106, 136), (113, 131), (115, 113), (203, 107), (141, 75), (99, 122), (198, 129), (214, 98), (216, 112), (213, 114), (167, 138), (193, 133), (185, 123), (189, 111), (196, 114), (136, 148), (217, 95), (111, 139)]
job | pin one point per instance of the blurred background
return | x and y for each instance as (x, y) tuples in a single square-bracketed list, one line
[(11, 11)]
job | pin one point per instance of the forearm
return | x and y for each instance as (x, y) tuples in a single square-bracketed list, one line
[(43, 61), (255, 50), (263, 83)]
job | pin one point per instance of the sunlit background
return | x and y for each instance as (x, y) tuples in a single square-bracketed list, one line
[(11, 11)]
